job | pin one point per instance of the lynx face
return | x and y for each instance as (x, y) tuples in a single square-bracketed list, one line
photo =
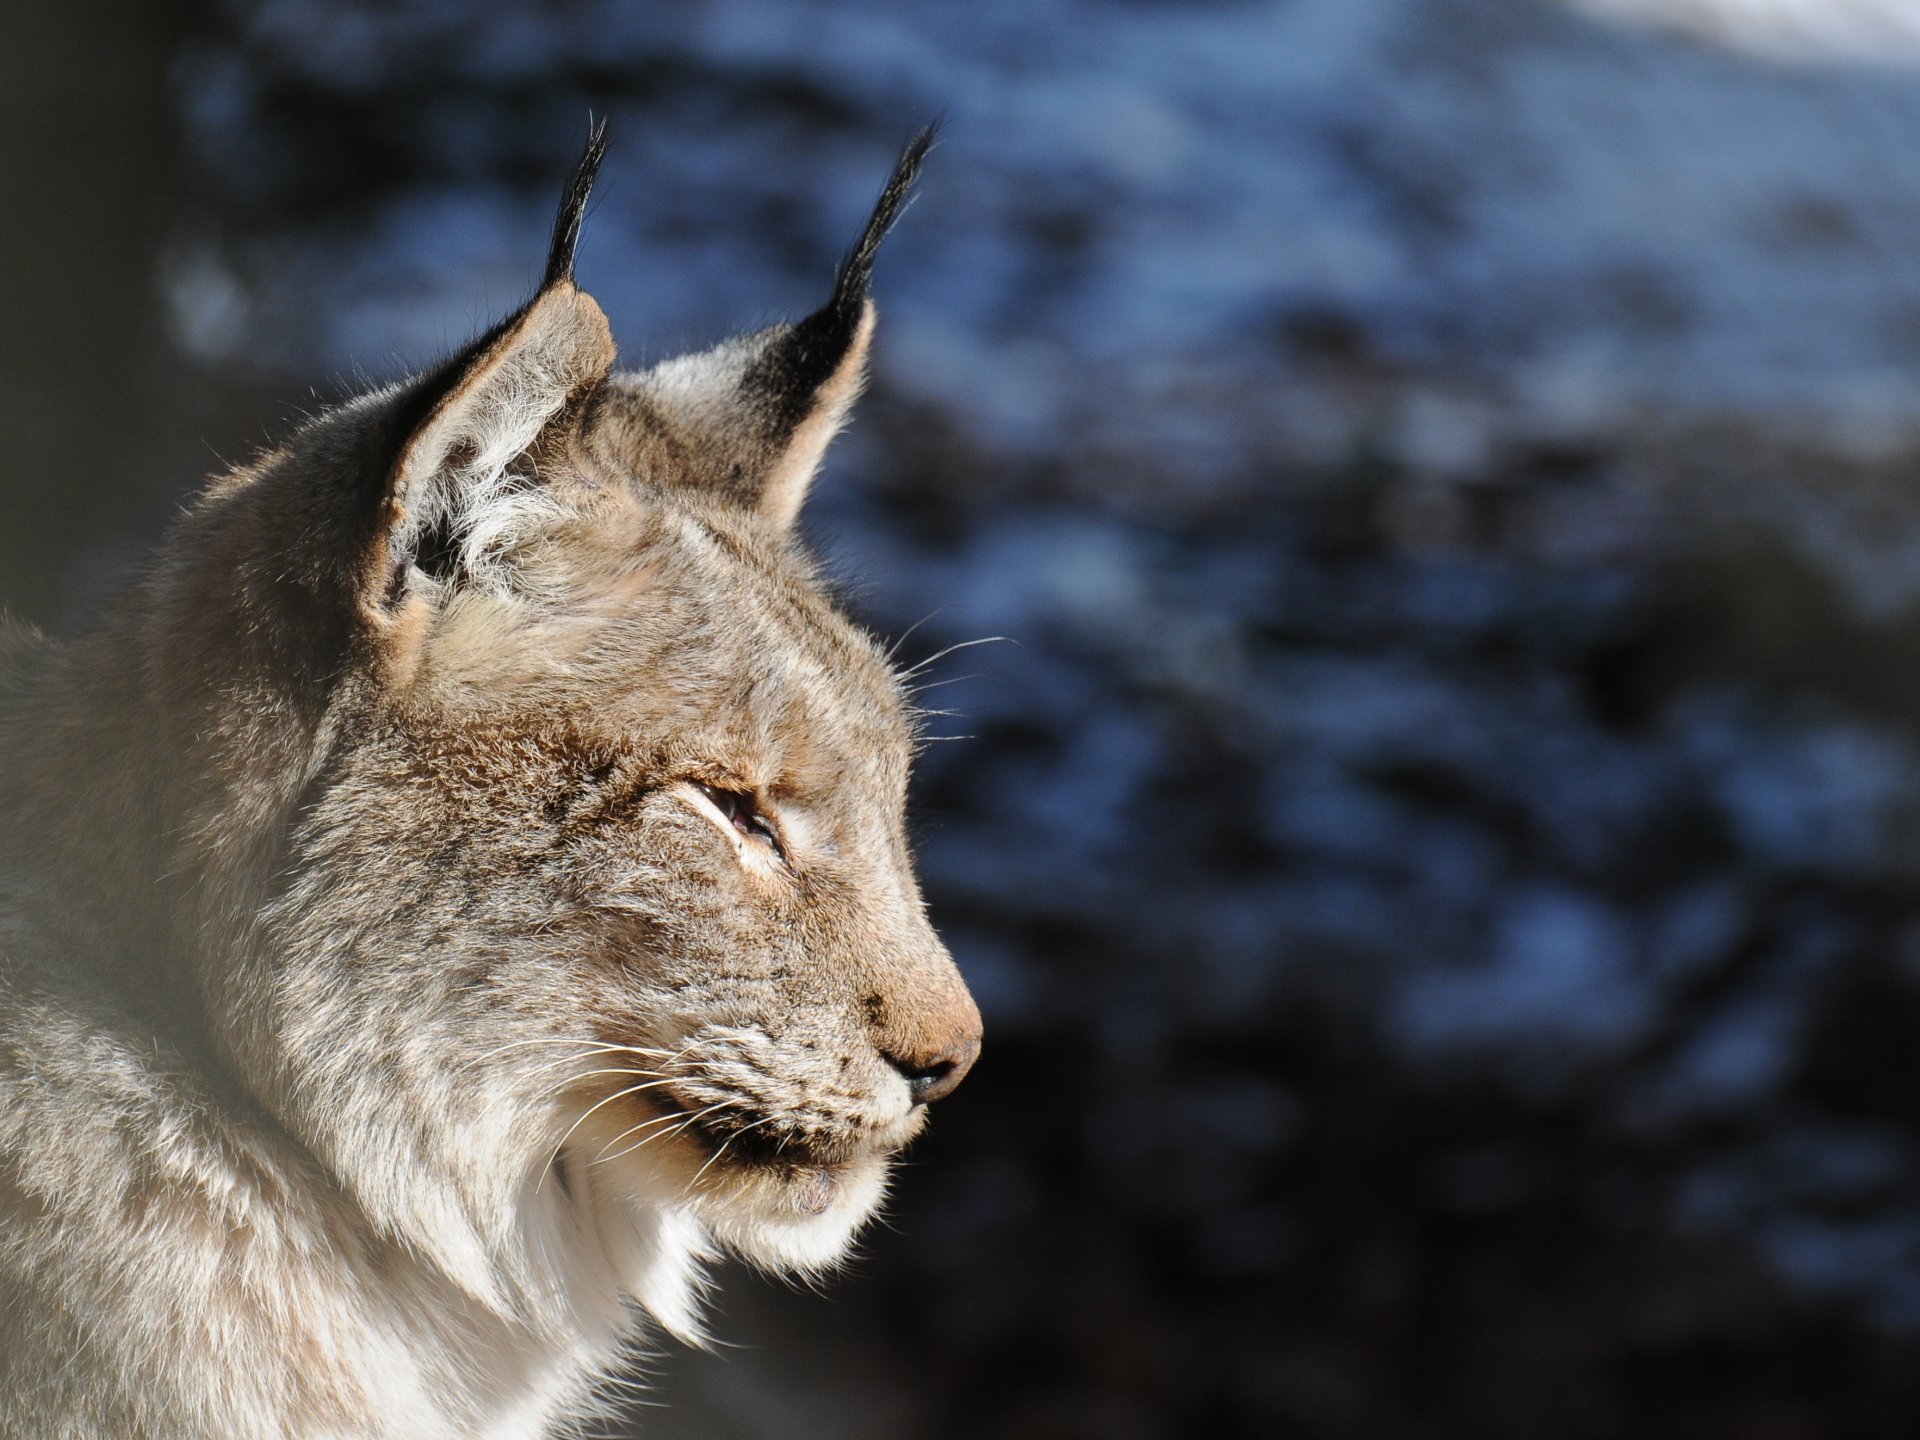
[(585, 900)]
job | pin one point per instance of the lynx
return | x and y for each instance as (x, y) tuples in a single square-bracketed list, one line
[(459, 893)]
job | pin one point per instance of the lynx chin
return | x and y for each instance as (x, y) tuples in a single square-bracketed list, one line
[(459, 891)]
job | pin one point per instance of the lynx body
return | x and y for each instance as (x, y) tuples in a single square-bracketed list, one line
[(459, 892)]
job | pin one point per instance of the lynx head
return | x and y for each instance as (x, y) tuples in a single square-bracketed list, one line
[(554, 814)]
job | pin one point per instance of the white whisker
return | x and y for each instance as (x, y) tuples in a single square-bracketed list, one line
[(936, 684), (584, 1045), (939, 655), (684, 1119), (764, 1120), (582, 1118), (905, 635)]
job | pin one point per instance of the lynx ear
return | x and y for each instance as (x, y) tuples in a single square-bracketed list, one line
[(751, 419), (487, 418)]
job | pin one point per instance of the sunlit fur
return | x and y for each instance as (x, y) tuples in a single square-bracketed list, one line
[(390, 1022)]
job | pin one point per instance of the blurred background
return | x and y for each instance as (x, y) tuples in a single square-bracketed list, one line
[(1437, 850)]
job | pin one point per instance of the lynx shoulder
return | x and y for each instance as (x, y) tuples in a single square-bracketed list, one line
[(458, 892)]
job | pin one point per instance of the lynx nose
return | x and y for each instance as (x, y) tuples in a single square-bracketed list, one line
[(924, 1024), (935, 1079)]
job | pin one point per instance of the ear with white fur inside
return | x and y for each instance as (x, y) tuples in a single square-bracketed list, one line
[(469, 466)]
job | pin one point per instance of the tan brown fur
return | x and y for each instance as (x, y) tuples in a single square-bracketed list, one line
[(400, 996)]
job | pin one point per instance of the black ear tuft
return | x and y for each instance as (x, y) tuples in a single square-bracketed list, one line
[(791, 371), (752, 418), (856, 271), (573, 208)]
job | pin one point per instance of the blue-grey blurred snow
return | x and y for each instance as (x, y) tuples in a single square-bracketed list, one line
[(1537, 223), (1875, 32)]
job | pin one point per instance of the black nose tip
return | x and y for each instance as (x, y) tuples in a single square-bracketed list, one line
[(938, 1078)]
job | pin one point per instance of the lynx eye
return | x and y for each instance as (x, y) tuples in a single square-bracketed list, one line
[(743, 812)]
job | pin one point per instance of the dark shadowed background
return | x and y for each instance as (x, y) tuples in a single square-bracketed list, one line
[(1437, 853)]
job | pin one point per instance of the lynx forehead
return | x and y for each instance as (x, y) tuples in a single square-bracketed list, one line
[(461, 890)]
